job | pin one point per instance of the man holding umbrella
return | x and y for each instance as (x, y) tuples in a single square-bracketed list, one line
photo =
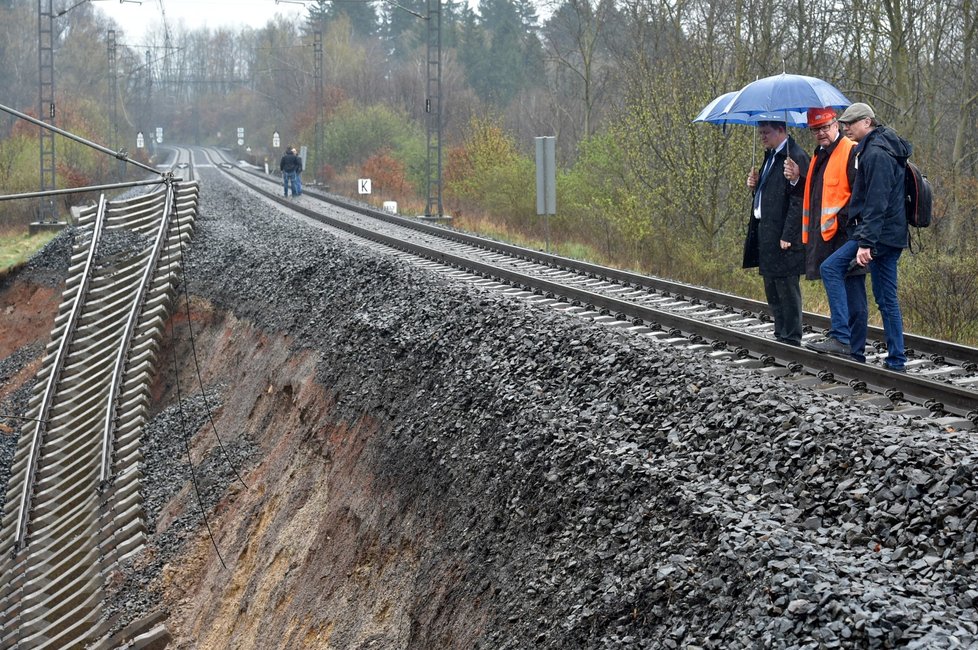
[(773, 243), (825, 207)]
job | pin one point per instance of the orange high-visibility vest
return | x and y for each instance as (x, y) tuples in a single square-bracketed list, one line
[(835, 191)]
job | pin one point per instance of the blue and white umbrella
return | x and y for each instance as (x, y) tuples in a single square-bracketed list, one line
[(716, 113), (785, 92)]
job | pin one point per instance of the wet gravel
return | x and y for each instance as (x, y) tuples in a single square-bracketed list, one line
[(49, 266), (604, 490), (133, 590), (609, 491), (15, 405), (119, 245)]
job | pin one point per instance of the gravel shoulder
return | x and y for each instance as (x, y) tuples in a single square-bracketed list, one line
[(431, 465)]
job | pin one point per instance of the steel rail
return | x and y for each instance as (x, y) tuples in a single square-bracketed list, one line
[(72, 529), (914, 342), (912, 388), (131, 322), (77, 303)]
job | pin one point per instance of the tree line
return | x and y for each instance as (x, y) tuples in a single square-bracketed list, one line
[(616, 81)]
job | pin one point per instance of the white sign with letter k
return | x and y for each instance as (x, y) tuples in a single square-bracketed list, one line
[(363, 185)]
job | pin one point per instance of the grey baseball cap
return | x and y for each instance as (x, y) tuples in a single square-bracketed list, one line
[(856, 112)]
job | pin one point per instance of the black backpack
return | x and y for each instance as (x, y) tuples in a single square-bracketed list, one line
[(920, 196)]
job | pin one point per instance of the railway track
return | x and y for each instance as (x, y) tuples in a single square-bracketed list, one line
[(942, 377), (73, 509)]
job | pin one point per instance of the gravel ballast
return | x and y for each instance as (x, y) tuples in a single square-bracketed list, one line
[(603, 489)]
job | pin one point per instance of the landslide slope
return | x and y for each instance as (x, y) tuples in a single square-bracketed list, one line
[(424, 464)]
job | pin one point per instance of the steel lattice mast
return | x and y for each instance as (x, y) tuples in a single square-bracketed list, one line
[(433, 109)]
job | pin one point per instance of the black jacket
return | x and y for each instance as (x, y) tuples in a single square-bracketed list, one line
[(780, 219), (290, 163), (877, 208)]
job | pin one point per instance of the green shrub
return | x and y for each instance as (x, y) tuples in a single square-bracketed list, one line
[(487, 172), (939, 295), (355, 133)]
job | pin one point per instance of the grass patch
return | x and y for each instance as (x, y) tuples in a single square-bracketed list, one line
[(17, 248)]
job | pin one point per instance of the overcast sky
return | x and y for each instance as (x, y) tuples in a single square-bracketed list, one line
[(135, 19)]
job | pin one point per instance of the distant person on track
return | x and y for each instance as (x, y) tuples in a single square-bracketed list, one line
[(291, 167), (824, 219), (878, 232), (773, 243)]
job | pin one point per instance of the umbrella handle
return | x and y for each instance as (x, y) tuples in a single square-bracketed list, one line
[(753, 153)]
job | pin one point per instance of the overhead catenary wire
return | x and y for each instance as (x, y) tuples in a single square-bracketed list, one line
[(186, 439), (122, 154), (190, 460), (200, 379)]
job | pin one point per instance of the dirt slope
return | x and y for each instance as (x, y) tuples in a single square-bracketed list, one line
[(320, 553), (433, 465)]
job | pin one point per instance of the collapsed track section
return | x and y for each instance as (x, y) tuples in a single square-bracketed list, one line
[(72, 509)]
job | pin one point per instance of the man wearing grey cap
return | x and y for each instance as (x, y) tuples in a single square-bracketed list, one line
[(877, 233)]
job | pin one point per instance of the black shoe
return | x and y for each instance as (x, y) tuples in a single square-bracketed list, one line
[(830, 346), (893, 369)]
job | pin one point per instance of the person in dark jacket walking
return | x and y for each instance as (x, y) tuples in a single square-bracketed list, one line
[(773, 243), (877, 234), (825, 210), (291, 167)]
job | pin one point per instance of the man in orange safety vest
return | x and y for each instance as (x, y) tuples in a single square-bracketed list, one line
[(828, 186)]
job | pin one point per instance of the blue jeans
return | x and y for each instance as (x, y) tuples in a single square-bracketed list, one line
[(848, 305), (291, 179), (883, 271)]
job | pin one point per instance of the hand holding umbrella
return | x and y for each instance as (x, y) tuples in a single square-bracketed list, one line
[(752, 178), (791, 170), (781, 97), (716, 113)]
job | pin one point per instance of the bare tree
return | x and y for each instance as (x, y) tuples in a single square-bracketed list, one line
[(575, 41)]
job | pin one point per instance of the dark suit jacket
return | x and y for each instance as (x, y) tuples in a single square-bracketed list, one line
[(780, 219)]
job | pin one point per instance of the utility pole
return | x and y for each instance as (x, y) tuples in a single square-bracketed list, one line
[(432, 102), (114, 100), (148, 113), (433, 109), (45, 106)]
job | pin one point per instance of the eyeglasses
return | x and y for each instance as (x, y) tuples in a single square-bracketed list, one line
[(822, 129)]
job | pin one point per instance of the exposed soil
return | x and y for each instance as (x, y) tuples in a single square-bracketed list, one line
[(430, 465), (29, 300), (27, 312), (319, 552)]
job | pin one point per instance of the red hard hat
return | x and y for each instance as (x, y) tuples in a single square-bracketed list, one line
[(820, 116)]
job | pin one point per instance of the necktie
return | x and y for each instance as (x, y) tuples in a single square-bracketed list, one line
[(760, 182)]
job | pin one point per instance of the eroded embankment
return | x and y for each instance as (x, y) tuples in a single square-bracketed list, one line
[(29, 300), (435, 466), (320, 551), (564, 485)]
